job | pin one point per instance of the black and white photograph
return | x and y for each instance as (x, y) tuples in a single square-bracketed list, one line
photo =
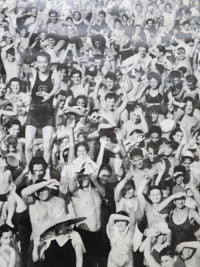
[(99, 133)]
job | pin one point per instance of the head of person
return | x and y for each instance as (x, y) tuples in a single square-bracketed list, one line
[(154, 80), (191, 81), (83, 179), (179, 203), (137, 157), (186, 159), (128, 190), (110, 99), (91, 73), (51, 38), (143, 50), (37, 167), (15, 85), (76, 76), (3, 90), (150, 23), (102, 16), (167, 257), (53, 16), (169, 148), (152, 151), (44, 194), (179, 174), (153, 113), (122, 223), (176, 135), (13, 127), (166, 189), (110, 79), (82, 149), (6, 236), (98, 61), (189, 105), (81, 101), (155, 194), (10, 54), (105, 173), (180, 53), (98, 41), (43, 60), (163, 231), (155, 134), (132, 109), (139, 73), (12, 143), (94, 116), (175, 77)]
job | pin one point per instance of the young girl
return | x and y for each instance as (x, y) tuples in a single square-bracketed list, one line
[(120, 230)]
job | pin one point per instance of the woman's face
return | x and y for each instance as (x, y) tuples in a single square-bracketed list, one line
[(15, 87), (81, 151), (121, 225), (128, 192), (104, 176), (189, 108), (180, 203), (80, 102), (14, 130), (178, 136), (155, 196), (153, 83)]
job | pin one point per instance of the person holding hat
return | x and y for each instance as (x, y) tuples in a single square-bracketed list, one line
[(120, 230)]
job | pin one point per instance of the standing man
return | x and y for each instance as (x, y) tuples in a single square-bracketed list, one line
[(45, 84)]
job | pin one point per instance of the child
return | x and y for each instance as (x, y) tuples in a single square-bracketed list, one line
[(7, 253), (5, 183), (120, 230)]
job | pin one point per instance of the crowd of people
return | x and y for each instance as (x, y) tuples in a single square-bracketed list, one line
[(99, 133)]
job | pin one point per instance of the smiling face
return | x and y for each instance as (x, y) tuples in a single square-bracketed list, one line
[(43, 194), (38, 171), (104, 176), (15, 87), (42, 64), (155, 196), (121, 225), (189, 108), (128, 191), (110, 104), (81, 151), (153, 83), (180, 203), (137, 161)]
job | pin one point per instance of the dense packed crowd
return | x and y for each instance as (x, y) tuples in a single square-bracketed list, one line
[(99, 133)]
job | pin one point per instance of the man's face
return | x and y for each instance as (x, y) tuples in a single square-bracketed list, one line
[(151, 154), (11, 57), (110, 104), (42, 63), (53, 18), (166, 261), (137, 161), (43, 194), (110, 83), (38, 171), (134, 117), (77, 16), (155, 196), (155, 137), (143, 52), (98, 63), (76, 78), (104, 176)]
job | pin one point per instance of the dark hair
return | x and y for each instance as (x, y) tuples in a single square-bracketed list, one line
[(129, 183), (161, 48), (136, 152), (155, 129), (15, 79), (85, 99), (102, 13), (155, 76), (74, 71), (173, 132), (191, 78), (110, 96), (154, 187), (153, 146), (106, 167), (5, 229), (53, 11), (122, 212), (37, 161), (111, 75), (167, 251), (12, 122), (84, 144)]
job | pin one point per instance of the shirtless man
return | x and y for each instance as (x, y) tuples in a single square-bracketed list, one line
[(87, 202), (5, 182), (44, 207)]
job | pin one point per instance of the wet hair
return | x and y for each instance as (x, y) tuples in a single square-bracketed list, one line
[(180, 168), (154, 75), (161, 48), (174, 74), (37, 161), (110, 96), (153, 146), (99, 38), (154, 187), (84, 144), (173, 132), (191, 78), (188, 99), (111, 75), (155, 129), (12, 122), (130, 184), (5, 229), (136, 152), (106, 167), (131, 106), (167, 251), (83, 97), (74, 71), (53, 11)]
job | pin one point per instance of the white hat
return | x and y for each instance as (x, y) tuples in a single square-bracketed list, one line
[(167, 125), (187, 154)]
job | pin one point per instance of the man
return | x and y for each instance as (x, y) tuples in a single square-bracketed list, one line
[(87, 202), (45, 84)]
